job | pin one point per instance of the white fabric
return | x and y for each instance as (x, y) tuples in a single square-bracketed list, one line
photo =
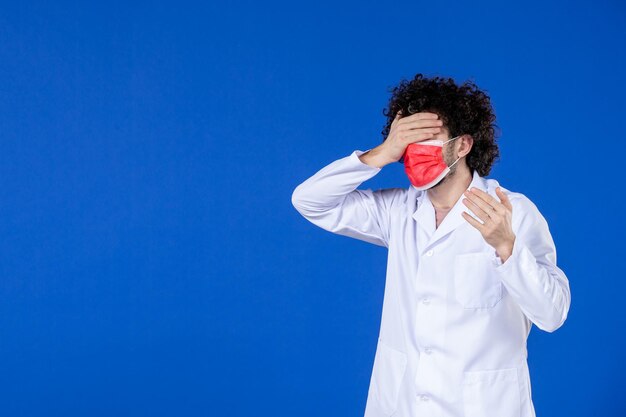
[(455, 319), (436, 142)]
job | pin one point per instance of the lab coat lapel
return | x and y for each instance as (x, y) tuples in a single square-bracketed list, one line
[(424, 215)]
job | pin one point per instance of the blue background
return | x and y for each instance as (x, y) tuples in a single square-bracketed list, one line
[(151, 262)]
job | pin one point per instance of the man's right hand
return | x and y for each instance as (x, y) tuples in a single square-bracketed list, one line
[(404, 131)]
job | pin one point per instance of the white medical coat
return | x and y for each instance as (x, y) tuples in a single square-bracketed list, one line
[(455, 319)]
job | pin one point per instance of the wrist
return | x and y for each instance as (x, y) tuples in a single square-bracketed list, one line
[(505, 251), (375, 157)]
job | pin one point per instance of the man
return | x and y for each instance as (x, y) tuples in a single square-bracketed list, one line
[(471, 265)]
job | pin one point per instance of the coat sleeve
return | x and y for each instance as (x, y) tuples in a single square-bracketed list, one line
[(530, 274), (330, 199)]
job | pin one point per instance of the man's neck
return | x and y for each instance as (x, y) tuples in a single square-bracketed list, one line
[(444, 195)]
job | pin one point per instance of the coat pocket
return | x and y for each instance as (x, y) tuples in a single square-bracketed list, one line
[(475, 283), (491, 393), (387, 374)]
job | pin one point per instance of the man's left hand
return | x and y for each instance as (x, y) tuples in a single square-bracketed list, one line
[(496, 219)]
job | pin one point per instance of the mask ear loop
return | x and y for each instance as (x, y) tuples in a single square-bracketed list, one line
[(456, 137), (457, 159)]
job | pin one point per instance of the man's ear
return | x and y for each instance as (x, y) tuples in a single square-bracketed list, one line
[(467, 141)]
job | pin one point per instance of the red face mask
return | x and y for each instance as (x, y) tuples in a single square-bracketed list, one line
[(424, 163)]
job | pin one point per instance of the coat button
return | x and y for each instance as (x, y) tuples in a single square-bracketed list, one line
[(428, 350), (425, 300), (429, 253), (424, 397)]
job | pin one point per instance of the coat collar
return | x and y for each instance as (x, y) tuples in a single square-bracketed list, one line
[(424, 215)]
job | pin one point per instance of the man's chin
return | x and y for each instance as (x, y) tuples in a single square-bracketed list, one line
[(443, 181)]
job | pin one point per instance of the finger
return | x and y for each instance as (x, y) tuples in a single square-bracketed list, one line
[(407, 133), (395, 119), (418, 137), (421, 123), (477, 210), (422, 116), (495, 204), (478, 225), (488, 209), (504, 199)]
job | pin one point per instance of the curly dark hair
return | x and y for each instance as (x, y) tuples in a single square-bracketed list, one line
[(464, 109)]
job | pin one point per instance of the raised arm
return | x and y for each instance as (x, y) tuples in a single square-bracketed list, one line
[(330, 199), (531, 275)]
